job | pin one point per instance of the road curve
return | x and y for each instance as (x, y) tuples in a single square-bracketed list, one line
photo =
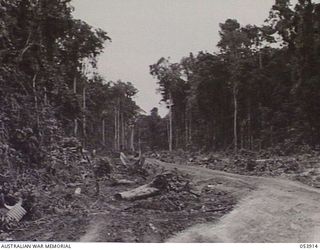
[(269, 209)]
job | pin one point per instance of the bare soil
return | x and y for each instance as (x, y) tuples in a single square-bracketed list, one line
[(103, 218), (222, 204)]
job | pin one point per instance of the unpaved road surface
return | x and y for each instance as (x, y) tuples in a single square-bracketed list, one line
[(269, 209)]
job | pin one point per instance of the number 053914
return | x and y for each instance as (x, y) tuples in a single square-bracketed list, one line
[(308, 246)]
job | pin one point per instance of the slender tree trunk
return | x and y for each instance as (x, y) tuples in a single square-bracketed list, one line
[(241, 137), (213, 133), (249, 126), (271, 136), (35, 98), (123, 139), (170, 125), (260, 60), (116, 128), (186, 129), (75, 85), (190, 128), (168, 129), (121, 130), (132, 139), (84, 125), (75, 129), (103, 132), (235, 132)]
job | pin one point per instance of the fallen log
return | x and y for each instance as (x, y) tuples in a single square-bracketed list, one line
[(153, 188), (141, 192)]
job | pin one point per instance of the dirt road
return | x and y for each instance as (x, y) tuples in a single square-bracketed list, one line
[(270, 209)]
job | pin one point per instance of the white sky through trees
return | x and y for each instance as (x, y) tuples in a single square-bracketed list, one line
[(143, 31)]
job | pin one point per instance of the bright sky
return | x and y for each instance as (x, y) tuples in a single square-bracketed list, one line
[(143, 31)]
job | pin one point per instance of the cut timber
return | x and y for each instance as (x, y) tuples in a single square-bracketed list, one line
[(158, 184), (141, 192)]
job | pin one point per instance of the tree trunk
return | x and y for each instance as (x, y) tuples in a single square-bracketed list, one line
[(115, 128), (249, 126), (35, 98), (84, 114), (190, 129), (139, 141), (186, 124), (118, 125), (235, 133), (242, 136), (103, 132), (132, 139), (75, 85), (170, 125), (75, 129), (271, 136), (123, 137), (260, 60)]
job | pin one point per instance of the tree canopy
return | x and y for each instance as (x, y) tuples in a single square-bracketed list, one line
[(44, 85), (260, 90)]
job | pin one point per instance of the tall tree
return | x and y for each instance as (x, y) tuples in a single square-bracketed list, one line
[(233, 43)]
